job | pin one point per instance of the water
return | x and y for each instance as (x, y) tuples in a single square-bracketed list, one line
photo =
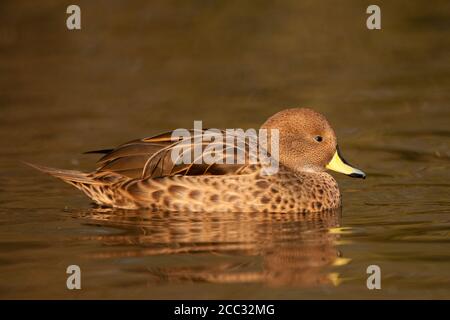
[(138, 69)]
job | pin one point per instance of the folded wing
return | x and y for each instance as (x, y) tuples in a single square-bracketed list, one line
[(162, 155)]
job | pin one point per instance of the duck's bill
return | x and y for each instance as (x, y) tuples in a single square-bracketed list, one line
[(338, 164)]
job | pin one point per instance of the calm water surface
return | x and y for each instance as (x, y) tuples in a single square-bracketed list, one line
[(140, 68)]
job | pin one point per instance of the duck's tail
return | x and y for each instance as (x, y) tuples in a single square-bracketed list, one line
[(69, 176), (93, 188)]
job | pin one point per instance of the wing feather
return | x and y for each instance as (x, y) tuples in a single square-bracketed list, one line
[(151, 157)]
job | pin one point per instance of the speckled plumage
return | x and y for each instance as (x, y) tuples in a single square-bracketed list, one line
[(137, 175)]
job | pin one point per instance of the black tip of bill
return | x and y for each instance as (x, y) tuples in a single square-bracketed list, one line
[(357, 175)]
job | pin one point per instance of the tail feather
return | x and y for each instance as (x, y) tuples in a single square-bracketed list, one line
[(70, 176), (102, 151), (98, 189)]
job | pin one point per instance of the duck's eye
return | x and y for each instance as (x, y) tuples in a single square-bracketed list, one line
[(318, 138)]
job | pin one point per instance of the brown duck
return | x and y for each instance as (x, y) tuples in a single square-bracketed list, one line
[(142, 173)]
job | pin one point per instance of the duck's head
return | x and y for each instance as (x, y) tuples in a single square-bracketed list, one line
[(307, 143)]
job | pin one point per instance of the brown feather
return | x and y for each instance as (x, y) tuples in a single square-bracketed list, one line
[(152, 156)]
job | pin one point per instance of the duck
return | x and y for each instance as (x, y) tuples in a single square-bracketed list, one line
[(142, 173)]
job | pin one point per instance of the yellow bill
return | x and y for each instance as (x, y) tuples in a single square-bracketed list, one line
[(338, 164)]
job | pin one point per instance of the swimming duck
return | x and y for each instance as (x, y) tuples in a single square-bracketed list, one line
[(142, 173)]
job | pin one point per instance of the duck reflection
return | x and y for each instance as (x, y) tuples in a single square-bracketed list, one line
[(272, 249)]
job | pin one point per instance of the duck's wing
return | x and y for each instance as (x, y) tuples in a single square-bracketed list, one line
[(169, 154)]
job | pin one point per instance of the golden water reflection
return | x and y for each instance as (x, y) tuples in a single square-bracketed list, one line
[(271, 249)]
